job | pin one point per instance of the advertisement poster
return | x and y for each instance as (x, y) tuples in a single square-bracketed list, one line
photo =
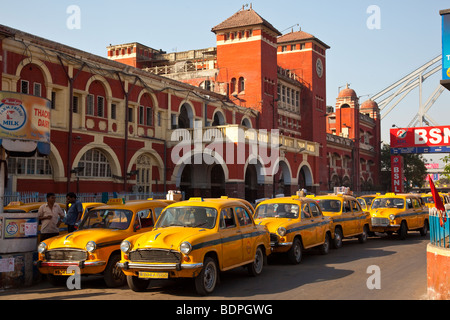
[(420, 140), (24, 117), (397, 174), (20, 228)]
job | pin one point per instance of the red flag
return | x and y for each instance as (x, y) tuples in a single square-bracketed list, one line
[(438, 203)]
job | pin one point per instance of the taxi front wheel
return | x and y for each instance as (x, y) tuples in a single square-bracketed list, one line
[(136, 284), (295, 253), (206, 281)]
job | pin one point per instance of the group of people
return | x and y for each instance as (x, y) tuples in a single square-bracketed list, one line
[(51, 215)]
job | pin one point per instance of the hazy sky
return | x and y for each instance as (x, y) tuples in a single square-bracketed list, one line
[(369, 49)]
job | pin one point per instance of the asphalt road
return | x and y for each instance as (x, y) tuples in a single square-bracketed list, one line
[(399, 272)]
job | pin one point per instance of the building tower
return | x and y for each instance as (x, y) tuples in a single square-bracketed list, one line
[(247, 62)]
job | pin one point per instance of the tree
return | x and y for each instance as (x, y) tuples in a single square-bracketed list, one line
[(414, 168)]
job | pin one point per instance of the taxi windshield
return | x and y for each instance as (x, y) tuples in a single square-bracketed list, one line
[(193, 217), (107, 219), (277, 210), (330, 205), (382, 203)]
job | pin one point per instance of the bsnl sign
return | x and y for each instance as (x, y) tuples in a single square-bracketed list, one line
[(415, 140)]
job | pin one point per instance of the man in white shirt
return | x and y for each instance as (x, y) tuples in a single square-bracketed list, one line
[(48, 215)]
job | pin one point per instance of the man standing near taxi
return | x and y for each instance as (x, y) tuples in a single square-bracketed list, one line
[(48, 214), (74, 212)]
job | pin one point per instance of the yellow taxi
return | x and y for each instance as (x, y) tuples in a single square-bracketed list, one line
[(95, 246), (429, 201), (197, 239), (347, 216), (295, 223), (366, 200), (399, 213)]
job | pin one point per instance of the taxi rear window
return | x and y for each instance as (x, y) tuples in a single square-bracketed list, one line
[(330, 205)]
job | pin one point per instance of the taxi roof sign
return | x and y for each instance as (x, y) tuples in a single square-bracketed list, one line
[(196, 199), (115, 201), (15, 203)]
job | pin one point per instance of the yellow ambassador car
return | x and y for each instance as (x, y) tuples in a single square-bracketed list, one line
[(399, 213), (348, 218), (295, 223), (95, 246), (429, 201), (196, 238)]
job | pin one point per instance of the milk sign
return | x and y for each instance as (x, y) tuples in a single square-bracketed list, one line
[(12, 114), (24, 117)]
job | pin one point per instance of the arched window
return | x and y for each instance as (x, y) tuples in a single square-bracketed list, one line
[(233, 85), (95, 164), (241, 84)]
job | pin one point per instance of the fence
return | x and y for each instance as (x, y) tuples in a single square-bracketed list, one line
[(439, 236), (28, 197)]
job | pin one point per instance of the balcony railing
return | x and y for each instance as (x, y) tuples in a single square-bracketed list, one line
[(241, 134)]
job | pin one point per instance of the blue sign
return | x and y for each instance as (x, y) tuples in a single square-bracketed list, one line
[(446, 46), (427, 149)]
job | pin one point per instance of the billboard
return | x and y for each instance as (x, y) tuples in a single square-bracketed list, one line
[(24, 117), (445, 48), (420, 140), (397, 177)]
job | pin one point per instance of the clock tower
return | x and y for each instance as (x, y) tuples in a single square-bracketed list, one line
[(305, 55)]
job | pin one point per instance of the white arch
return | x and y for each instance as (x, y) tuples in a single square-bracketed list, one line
[(187, 159), (222, 117), (42, 66), (309, 178), (153, 154), (103, 81), (152, 96), (109, 153)]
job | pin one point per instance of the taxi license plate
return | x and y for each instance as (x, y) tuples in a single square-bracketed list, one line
[(154, 275), (62, 272)]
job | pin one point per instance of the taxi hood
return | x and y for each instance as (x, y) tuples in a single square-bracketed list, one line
[(384, 212), (273, 224), (168, 238), (80, 238)]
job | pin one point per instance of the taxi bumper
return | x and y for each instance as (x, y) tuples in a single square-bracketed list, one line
[(159, 266)]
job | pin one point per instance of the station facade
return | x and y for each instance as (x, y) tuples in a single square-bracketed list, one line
[(142, 120)]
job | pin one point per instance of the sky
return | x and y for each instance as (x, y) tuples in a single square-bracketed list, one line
[(373, 43)]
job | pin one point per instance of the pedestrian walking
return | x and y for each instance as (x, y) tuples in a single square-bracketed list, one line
[(50, 214), (74, 212)]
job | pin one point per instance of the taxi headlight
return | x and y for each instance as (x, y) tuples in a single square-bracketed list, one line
[(185, 247), (125, 246), (91, 246), (42, 247), (281, 231), (392, 216)]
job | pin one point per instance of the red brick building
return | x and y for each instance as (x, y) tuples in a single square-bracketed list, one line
[(132, 121)]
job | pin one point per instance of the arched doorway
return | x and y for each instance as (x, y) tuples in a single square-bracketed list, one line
[(186, 116), (251, 183)]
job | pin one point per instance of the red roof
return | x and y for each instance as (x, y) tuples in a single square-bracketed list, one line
[(244, 18), (299, 36)]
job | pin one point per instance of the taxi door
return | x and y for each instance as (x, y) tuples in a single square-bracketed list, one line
[(308, 230), (358, 217), (231, 236), (318, 222), (417, 219), (247, 228), (348, 222)]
